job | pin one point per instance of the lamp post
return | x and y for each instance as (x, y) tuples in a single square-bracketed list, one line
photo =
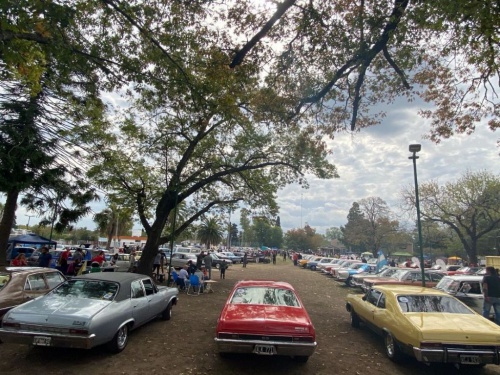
[(414, 148)]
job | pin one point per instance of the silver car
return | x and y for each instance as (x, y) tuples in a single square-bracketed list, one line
[(181, 259), (89, 310)]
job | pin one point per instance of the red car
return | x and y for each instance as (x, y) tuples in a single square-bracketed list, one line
[(265, 318)]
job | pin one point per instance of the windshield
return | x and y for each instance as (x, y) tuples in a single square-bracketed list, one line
[(265, 296), (92, 289), (448, 285), (431, 304)]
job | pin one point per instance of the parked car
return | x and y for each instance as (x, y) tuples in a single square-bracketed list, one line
[(266, 318), (348, 264), (405, 276), (357, 280), (216, 261), (449, 269), (233, 258), (467, 288), (345, 274), (179, 260), (89, 310), (313, 264), (322, 266), (21, 284), (426, 324), (27, 251)]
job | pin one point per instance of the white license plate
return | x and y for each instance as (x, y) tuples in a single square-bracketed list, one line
[(41, 340), (265, 349), (470, 359)]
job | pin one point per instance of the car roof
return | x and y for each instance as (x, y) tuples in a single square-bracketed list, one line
[(264, 283), (408, 289), (465, 277), (29, 269), (119, 277)]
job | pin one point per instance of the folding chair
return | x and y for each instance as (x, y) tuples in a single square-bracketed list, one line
[(194, 283)]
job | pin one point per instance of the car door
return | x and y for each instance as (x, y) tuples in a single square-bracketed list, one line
[(371, 299), (156, 305), (140, 303)]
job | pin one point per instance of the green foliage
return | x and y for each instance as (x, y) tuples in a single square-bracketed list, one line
[(303, 239), (210, 232)]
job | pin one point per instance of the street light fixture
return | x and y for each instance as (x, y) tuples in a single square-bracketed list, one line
[(414, 148)]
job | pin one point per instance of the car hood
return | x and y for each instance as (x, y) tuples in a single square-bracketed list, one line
[(447, 327), (57, 310), (265, 319)]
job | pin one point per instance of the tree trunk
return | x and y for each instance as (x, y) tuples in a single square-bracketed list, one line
[(149, 252), (9, 213)]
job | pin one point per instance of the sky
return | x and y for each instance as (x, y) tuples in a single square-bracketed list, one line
[(372, 162)]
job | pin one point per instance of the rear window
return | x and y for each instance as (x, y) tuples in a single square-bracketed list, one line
[(431, 304), (92, 289), (4, 279), (265, 296)]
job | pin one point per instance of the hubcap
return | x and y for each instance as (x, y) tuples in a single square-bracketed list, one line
[(389, 343), (122, 337)]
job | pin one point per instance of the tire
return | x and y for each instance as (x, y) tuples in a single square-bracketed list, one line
[(349, 282), (119, 341), (301, 358), (216, 265), (313, 268), (167, 313), (391, 348), (354, 319)]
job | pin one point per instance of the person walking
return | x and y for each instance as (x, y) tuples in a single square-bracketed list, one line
[(245, 260), (223, 266), (208, 265), (491, 292)]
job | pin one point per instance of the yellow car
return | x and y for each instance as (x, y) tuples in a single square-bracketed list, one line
[(427, 324), (302, 262)]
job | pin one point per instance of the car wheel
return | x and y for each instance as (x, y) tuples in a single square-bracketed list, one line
[(167, 313), (354, 319), (216, 266), (313, 268), (301, 358), (119, 341), (349, 282), (391, 348)]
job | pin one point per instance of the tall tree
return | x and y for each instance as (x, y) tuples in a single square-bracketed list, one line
[(210, 232), (356, 229), (470, 206)]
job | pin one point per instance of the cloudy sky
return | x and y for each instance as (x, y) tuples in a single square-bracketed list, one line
[(373, 162)]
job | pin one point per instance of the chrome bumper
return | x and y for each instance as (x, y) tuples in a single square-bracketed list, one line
[(454, 355), (56, 340), (282, 348)]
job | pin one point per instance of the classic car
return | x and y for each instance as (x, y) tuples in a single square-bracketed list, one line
[(89, 310), (345, 274), (322, 266), (467, 270), (449, 269), (348, 264), (179, 260), (467, 288), (357, 280), (405, 276), (216, 261), (306, 258), (21, 284), (314, 264), (266, 318), (427, 324), (231, 256)]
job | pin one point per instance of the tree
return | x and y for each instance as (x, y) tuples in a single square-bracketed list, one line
[(303, 239), (113, 222), (376, 212), (469, 206), (356, 229), (210, 232), (334, 233)]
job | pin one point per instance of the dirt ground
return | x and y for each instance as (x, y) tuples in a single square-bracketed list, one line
[(185, 345)]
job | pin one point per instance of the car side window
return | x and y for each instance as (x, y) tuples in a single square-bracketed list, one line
[(136, 289), (149, 287), (381, 301), (373, 296), (54, 279), (35, 282)]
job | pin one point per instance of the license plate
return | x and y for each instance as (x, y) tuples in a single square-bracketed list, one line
[(265, 349), (41, 340), (470, 359)]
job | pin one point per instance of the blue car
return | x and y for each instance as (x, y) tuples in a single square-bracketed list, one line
[(345, 274)]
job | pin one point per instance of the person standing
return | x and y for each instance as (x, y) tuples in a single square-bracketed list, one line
[(199, 260), (223, 266), (208, 265), (44, 258), (156, 264), (131, 261), (491, 292), (245, 260), (274, 257)]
